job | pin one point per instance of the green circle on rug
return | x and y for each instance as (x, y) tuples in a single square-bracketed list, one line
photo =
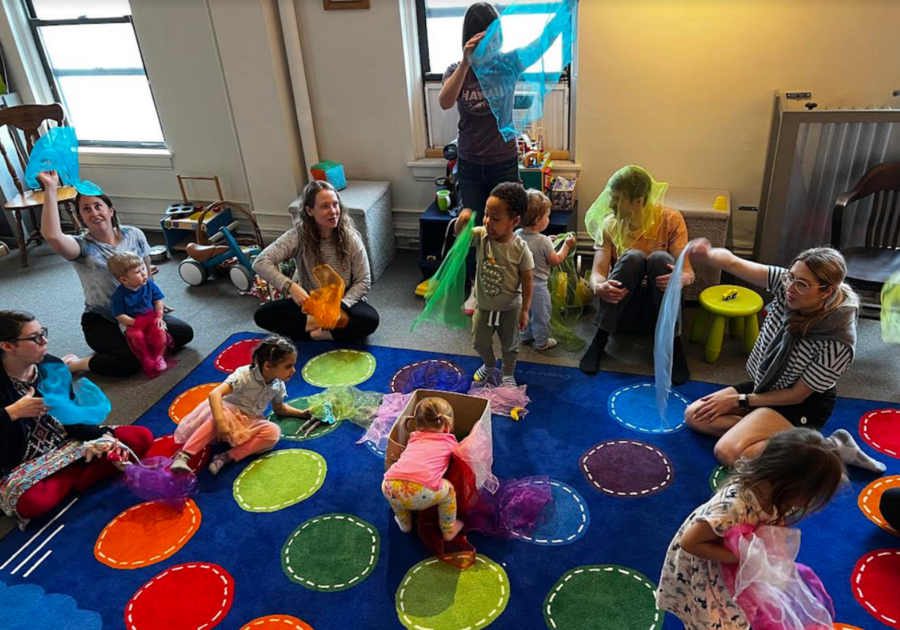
[(332, 552), (280, 479), (718, 477), (290, 427), (437, 595), (623, 598), (339, 367)]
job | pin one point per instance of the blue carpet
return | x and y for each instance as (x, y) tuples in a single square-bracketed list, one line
[(567, 417)]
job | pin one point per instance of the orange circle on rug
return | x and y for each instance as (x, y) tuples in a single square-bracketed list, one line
[(881, 430), (236, 355), (843, 626), (876, 582), (184, 597), (146, 534), (277, 622), (187, 401), (165, 447), (870, 501)]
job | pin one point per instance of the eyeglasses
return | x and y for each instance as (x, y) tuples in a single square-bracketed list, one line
[(800, 285), (39, 338)]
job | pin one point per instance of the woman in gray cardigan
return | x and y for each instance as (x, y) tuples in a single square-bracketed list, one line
[(324, 235)]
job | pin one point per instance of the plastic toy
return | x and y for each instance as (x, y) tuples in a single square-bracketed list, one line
[(729, 295), (203, 258)]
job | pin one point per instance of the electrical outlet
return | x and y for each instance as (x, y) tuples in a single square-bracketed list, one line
[(798, 96), (748, 208)]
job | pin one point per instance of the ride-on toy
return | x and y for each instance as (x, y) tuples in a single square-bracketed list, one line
[(209, 252)]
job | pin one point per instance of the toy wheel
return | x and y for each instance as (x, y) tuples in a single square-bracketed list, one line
[(241, 277), (192, 272)]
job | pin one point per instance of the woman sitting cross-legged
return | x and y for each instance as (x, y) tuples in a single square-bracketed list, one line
[(807, 341)]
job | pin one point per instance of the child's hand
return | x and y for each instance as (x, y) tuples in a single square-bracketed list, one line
[(464, 215), (222, 432), (570, 241), (523, 319), (161, 323)]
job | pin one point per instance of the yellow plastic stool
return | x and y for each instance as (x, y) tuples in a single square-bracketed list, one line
[(740, 311)]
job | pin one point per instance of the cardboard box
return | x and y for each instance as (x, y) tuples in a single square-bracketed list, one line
[(467, 412)]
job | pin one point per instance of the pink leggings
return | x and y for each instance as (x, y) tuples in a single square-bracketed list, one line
[(265, 437)]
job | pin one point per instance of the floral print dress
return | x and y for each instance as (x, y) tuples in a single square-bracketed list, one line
[(692, 588)]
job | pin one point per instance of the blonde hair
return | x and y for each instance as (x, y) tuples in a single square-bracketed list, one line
[(434, 414), (120, 264), (538, 206), (830, 269)]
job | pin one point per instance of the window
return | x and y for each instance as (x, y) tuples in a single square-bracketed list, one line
[(440, 44), (90, 54)]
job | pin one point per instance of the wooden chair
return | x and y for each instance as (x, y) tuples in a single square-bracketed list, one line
[(870, 265), (28, 119)]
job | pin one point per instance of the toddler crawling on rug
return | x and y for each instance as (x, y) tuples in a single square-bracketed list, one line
[(416, 481), (234, 411)]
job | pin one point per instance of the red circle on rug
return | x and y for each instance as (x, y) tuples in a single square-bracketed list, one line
[(870, 500), (184, 597), (277, 622), (881, 430), (165, 447), (627, 468), (876, 582), (187, 401), (236, 355)]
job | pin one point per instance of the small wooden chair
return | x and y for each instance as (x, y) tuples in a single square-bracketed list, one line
[(869, 266), (28, 119)]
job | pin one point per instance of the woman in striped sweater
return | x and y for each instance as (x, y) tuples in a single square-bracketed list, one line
[(807, 341), (325, 234)]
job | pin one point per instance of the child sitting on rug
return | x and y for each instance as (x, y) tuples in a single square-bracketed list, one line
[(416, 481), (235, 410), (504, 282), (796, 475), (137, 304), (536, 220)]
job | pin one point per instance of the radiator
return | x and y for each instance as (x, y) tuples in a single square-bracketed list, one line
[(813, 157)]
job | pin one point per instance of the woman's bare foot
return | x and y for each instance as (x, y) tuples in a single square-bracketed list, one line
[(321, 335), (312, 324), (77, 365), (453, 533)]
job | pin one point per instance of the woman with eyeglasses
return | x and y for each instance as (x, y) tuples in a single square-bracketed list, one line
[(806, 343), (39, 460)]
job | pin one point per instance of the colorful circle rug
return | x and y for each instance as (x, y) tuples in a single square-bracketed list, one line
[(627, 468), (718, 477), (437, 595), (621, 597), (430, 374), (146, 534), (183, 597), (280, 479), (276, 622), (332, 552), (292, 428), (566, 522), (187, 401), (635, 407), (236, 355), (876, 582), (870, 500), (881, 429), (339, 367)]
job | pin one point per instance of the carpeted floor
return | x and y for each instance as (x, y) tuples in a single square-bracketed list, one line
[(238, 566)]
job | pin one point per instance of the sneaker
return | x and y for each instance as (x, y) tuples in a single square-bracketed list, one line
[(551, 343), (508, 381), (218, 462), (180, 464), (590, 362), (482, 373), (469, 307)]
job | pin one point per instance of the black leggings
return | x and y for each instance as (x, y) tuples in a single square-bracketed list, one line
[(113, 356), (285, 318)]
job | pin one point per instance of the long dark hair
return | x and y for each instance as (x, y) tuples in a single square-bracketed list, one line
[(12, 323), (478, 19), (273, 349), (107, 201), (309, 231), (799, 471)]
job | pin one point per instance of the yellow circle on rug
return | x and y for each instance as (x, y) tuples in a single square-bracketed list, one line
[(279, 480), (146, 534), (437, 595), (277, 622), (870, 501), (187, 401), (339, 367)]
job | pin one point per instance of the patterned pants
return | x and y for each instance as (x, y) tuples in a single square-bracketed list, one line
[(405, 496)]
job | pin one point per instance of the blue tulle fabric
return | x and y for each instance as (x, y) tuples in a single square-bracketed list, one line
[(669, 313), (531, 66), (57, 150), (78, 402)]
